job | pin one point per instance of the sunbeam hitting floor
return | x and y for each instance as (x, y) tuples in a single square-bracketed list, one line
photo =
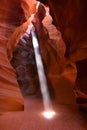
[(66, 118)]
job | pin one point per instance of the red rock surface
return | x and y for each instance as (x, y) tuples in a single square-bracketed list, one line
[(58, 69), (11, 16), (71, 18), (61, 71)]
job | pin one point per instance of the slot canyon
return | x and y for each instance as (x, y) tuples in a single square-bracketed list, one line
[(61, 30)]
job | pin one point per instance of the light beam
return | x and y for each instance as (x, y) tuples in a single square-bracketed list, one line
[(48, 114)]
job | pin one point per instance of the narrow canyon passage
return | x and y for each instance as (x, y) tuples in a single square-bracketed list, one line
[(67, 117), (61, 30)]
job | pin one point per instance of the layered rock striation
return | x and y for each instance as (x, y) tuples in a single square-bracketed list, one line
[(60, 70), (11, 16)]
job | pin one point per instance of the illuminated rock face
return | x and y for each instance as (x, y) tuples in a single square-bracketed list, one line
[(11, 16), (10, 95), (60, 71)]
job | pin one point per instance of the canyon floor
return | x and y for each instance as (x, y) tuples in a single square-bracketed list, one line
[(68, 117)]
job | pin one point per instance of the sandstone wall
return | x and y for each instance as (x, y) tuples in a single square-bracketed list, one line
[(11, 16)]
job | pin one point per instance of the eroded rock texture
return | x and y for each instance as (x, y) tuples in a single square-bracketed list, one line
[(58, 57), (71, 18), (24, 62), (60, 72), (11, 16)]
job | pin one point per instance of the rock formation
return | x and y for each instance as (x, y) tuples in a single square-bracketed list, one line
[(58, 56), (11, 16), (71, 18), (60, 72)]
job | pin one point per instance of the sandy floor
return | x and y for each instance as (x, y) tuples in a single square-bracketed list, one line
[(67, 118)]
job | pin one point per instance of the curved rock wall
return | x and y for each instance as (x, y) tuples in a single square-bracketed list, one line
[(71, 18), (60, 71), (11, 16)]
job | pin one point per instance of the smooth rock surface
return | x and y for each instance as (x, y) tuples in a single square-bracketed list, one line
[(11, 16)]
